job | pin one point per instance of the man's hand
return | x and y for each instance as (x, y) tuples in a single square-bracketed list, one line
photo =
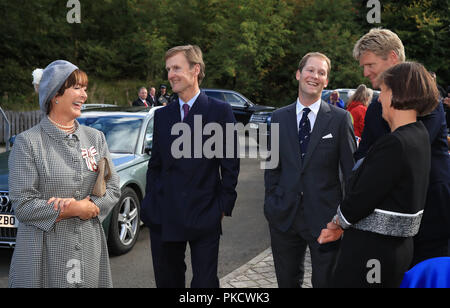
[(332, 233)]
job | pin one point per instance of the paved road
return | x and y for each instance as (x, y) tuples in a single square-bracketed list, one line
[(245, 236)]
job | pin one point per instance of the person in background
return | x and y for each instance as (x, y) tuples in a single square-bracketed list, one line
[(357, 107), (442, 92), (151, 97), (163, 98), (335, 100), (53, 168), (386, 194), (142, 99), (376, 51)]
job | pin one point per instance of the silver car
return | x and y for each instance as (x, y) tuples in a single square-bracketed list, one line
[(129, 134)]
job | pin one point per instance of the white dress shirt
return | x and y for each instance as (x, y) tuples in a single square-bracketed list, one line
[(312, 116), (190, 103)]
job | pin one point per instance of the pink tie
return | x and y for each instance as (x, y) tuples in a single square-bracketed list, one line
[(185, 110)]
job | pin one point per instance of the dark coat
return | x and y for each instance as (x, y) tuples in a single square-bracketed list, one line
[(185, 197), (139, 102), (152, 101), (436, 218)]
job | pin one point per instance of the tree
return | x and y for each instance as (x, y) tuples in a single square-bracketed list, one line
[(424, 28)]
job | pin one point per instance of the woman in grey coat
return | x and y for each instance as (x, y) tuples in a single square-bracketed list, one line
[(53, 168)]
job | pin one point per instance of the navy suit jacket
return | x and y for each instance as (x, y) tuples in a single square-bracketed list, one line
[(185, 197), (375, 127), (313, 184)]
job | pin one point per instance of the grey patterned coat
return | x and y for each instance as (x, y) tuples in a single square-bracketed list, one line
[(45, 162)]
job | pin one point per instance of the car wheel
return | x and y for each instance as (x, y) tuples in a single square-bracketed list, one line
[(125, 223)]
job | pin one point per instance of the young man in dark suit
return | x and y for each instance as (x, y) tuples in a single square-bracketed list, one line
[(186, 198), (302, 193)]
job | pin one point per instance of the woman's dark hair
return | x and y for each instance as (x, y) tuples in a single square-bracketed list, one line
[(78, 77), (412, 87)]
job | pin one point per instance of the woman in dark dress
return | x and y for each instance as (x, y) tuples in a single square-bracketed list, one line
[(386, 194)]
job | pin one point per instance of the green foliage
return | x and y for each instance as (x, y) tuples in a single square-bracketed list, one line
[(252, 46), (424, 27)]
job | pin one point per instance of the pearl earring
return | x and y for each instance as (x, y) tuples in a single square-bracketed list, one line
[(56, 102)]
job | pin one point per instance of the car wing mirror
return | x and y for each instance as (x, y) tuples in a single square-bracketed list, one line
[(148, 149), (11, 140)]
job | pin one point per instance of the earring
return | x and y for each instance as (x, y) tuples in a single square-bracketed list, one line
[(56, 102)]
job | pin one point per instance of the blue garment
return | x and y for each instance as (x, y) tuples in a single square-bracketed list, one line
[(339, 104), (186, 196), (431, 273)]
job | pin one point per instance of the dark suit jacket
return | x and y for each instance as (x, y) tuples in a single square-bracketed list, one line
[(185, 197), (138, 102), (374, 128), (152, 101), (314, 184), (436, 218)]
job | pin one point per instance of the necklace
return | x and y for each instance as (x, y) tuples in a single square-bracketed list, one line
[(69, 129)]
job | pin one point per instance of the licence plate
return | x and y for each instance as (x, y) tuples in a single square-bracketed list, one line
[(8, 221), (254, 126)]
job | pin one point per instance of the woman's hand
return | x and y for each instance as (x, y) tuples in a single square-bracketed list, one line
[(69, 207), (60, 203), (87, 209)]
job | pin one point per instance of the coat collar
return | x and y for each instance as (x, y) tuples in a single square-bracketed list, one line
[(200, 106)]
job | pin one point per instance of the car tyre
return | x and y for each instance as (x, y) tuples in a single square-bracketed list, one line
[(125, 223)]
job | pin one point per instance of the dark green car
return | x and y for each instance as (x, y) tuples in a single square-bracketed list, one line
[(129, 134)]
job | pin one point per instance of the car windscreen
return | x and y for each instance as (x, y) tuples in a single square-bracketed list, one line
[(121, 132)]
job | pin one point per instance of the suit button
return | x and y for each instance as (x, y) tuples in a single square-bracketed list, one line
[(78, 246)]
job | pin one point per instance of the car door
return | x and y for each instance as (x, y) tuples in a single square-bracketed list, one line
[(241, 110)]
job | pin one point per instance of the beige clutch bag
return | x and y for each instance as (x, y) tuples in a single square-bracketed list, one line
[(104, 174)]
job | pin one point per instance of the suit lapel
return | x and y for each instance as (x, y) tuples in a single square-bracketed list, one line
[(174, 116), (200, 107), (292, 132), (322, 121)]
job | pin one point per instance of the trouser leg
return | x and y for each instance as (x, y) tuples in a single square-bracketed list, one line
[(168, 262)]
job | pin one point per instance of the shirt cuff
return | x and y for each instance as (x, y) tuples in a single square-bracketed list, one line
[(342, 221)]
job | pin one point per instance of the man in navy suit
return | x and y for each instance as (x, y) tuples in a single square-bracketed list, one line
[(316, 141), (186, 198)]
